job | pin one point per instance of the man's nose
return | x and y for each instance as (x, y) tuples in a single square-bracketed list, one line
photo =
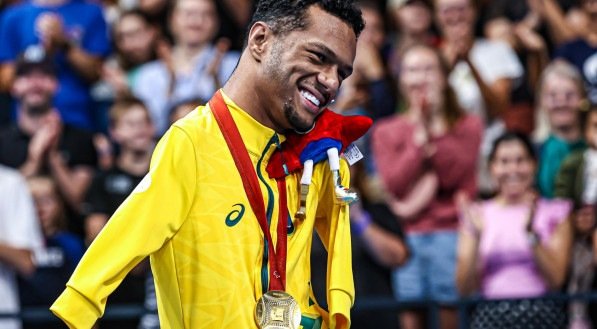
[(330, 79)]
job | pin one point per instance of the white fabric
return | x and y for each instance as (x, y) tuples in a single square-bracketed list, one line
[(307, 172), (589, 194), (19, 228), (334, 158)]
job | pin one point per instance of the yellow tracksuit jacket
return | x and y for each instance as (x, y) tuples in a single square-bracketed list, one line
[(191, 215)]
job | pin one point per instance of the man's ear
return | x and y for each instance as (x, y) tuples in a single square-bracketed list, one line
[(260, 37)]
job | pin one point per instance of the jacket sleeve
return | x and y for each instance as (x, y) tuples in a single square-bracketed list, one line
[(333, 226), (148, 218)]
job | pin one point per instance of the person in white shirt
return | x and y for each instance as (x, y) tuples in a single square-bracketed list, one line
[(20, 238)]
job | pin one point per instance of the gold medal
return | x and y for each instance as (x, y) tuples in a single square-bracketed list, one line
[(277, 310)]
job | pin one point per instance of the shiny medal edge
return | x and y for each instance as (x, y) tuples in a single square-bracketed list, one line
[(277, 309)]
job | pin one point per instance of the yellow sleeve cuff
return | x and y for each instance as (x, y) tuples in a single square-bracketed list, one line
[(75, 309), (340, 303)]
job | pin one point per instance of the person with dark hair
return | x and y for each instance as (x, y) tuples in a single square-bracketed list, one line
[(514, 245), (207, 210), (415, 156), (40, 142)]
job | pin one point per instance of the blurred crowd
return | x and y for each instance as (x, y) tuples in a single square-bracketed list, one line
[(480, 171)]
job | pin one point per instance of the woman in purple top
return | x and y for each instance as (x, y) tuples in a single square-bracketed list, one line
[(514, 245)]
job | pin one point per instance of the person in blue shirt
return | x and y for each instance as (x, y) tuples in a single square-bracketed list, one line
[(74, 33)]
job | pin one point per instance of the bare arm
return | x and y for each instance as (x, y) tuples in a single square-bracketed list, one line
[(467, 267), (387, 248), (19, 259), (7, 72), (417, 199), (553, 256), (496, 95), (73, 183)]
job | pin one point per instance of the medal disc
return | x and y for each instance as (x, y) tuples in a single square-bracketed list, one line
[(277, 310)]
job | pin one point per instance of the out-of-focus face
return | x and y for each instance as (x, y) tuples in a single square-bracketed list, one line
[(422, 76), (589, 7), (560, 97), (194, 22), (512, 169), (134, 130), (35, 89), (455, 18), (374, 28), (304, 69), (413, 18), (47, 202), (135, 39)]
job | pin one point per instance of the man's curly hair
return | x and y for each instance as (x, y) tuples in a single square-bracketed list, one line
[(284, 16)]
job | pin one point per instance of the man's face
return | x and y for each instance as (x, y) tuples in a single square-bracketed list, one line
[(134, 130), (304, 69), (455, 17), (34, 89)]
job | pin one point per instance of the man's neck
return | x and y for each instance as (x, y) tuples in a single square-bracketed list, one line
[(29, 124), (246, 96), (134, 162)]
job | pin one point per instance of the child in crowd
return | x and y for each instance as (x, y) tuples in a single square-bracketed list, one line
[(63, 250), (132, 131)]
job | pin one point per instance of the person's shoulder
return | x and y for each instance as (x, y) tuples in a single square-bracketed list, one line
[(558, 207), (197, 121)]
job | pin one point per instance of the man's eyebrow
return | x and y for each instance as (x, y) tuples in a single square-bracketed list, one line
[(346, 69)]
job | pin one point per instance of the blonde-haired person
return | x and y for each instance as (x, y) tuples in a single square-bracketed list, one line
[(560, 95)]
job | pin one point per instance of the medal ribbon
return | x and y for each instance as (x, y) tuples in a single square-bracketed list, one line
[(277, 259)]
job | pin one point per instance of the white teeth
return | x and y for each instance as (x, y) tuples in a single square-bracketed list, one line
[(310, 97)]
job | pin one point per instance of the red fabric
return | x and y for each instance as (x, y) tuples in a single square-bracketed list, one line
[(345, 129), (400, 163)]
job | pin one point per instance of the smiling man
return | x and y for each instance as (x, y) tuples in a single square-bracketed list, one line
[(225, 253)]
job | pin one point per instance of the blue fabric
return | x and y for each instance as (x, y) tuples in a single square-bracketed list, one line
[(430, 272), (584, 56), (54, 266), (84, 23), (317, 150)]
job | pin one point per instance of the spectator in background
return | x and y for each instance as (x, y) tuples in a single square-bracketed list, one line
[(532, 51), (412, 20), (560, 96), (414, 153), (159, 12), (20, 237), (582, 52), (182, 108), (135, 40), (61, 255), (194, 67), (131, 129), (39, 142), (483, 72), (577, 181), (514, 245), (74, 34)]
